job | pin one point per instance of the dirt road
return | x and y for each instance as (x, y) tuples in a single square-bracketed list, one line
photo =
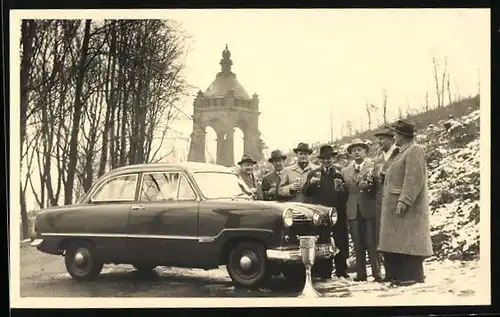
[(44, 275)]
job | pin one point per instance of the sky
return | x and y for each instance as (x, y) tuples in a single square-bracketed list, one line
[(305, 63)]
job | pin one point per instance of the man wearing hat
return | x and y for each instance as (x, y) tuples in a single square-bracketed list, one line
[(246, 172), (268, 189), (293, 178), (388, 150), (324, 186), (361, 210), (405, 238)]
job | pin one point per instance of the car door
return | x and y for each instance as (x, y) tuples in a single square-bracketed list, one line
[(104, 218), (163, 224)]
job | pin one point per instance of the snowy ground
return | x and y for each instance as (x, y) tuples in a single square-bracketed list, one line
[(44, 275)]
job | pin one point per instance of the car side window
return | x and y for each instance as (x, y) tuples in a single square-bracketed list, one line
[(159, 186), (186, 192), (118, 188)]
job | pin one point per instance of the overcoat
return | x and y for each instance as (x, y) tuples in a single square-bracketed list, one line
[(365, 199), (290, 174), (406, 181), (380, 165)]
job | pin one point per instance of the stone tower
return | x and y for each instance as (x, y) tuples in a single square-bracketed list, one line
[(224, 106)]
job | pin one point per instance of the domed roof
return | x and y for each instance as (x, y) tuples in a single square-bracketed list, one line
[(226, 81)]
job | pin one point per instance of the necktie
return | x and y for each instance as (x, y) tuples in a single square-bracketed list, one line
[(357, 169)]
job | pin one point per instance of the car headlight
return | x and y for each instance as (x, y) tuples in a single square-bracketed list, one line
[(332, 214), (288, 217), (316, 219)]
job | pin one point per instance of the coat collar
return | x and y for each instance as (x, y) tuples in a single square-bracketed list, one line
[(405, 146), (387, 155), (297, 168)]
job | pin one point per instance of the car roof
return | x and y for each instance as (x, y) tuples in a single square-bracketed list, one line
[(188, 167)]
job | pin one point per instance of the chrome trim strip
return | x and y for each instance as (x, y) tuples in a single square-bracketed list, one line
[(203, 239)]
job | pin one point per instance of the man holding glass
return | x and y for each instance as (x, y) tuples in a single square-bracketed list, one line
[(293, 177), (324, 186)]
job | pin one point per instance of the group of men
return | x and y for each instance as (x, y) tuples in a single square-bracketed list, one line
[(382, 203)]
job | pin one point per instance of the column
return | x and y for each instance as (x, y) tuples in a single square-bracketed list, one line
[(230, 147)]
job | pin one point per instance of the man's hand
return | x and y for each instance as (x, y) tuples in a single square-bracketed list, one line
[(294, 186), (272, 191), (338, 184), (314, 180), (363, 185), (401, 208)]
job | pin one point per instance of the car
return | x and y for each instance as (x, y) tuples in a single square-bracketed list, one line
[(191, 215)]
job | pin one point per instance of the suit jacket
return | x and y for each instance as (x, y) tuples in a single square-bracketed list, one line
[(290, 174), (267, 183), (364, 199), (324, 193), (406, 181)]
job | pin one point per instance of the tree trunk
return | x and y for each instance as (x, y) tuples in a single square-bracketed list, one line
[(24, 215), (77, 114)]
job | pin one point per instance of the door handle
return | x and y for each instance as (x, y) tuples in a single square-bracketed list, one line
[(137, 207)]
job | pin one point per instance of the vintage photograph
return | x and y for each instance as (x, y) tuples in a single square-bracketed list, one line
[(301, 157)]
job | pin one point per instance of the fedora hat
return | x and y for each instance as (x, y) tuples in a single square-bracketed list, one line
[(357, 142), (326, 151), (386, 131), (276, 155), (247, 159), (303, 147), (404, 127)]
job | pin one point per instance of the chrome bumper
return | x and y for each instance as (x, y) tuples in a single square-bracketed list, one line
[(36, 243), (324, 251)]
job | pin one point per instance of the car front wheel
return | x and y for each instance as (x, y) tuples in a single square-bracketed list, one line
[(81, 261), (247, 264)]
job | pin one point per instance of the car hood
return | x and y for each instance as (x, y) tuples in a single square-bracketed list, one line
[(301, 211)]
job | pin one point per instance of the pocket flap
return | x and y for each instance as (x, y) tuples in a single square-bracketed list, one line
[(395, 191)]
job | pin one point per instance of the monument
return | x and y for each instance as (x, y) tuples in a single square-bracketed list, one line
[(224, 106)]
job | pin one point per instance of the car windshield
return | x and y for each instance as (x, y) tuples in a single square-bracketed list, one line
[(214, 185)]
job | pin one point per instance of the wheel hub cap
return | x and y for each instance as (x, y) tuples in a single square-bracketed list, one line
[(245, 262), (79, 258)]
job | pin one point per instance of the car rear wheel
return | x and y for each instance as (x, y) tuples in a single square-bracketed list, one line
[(247, 264), (144, 267), (81, 261)]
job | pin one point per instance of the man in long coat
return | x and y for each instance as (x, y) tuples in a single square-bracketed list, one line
[(268, 189), (361, 210), (405, 238), (320, 187), (388, 150), (293, 178)]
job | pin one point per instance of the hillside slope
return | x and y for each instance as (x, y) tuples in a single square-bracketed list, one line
[(452, 149)]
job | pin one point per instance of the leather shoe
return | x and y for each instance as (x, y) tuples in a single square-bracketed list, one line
[(360, 279), (403, 283), (378, 279), (346, 276)]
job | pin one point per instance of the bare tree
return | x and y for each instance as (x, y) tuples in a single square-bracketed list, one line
[(427, 106), (400, 113), (370, 108), (443, 78), (384, 105), (449, 89), (436, 78), (457, 96), (349, 127)]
